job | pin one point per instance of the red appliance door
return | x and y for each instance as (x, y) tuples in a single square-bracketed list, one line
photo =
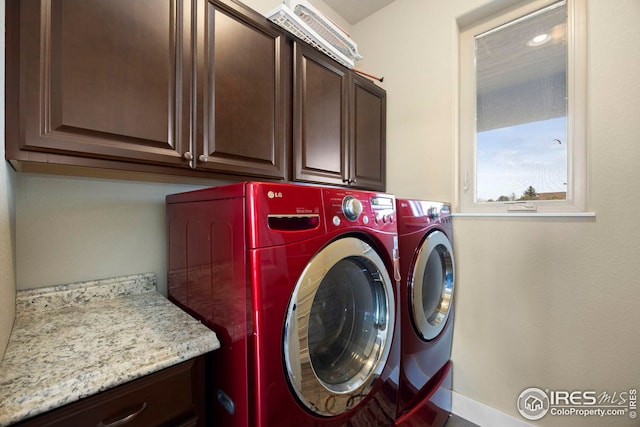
[(339, 327), (431, 285)]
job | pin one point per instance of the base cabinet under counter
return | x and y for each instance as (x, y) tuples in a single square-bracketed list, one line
[(174, 396)]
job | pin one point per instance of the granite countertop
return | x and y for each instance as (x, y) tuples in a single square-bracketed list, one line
[(72, 341)]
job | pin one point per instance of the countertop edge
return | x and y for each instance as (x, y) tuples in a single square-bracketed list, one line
[(111, 337)]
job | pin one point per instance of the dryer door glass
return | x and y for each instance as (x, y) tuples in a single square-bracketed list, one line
[(432, 284), (339, 326)]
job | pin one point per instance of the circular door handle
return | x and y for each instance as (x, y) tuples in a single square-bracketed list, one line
[(187, 155), (203, 158)]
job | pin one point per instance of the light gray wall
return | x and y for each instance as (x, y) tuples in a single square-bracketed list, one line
[(542, 302), (7, 217), (72, 229)]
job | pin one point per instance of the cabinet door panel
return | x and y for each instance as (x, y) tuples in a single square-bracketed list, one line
[(320, 118), (103, 78), (93, 90), (246, 66), (368, 134), (173, 396)]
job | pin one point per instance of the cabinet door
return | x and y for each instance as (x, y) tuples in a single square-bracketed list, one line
[(175, 396), (244, 83), (368, 130), (320, 118), (102, 79)]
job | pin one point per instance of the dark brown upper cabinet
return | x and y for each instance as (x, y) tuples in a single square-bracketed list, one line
[(243, 93), (104, 79), (368, 130), (154, 86), (339, 124), (320, 116), (202, 88)]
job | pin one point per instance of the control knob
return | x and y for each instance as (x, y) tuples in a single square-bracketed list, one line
[(433, 213), (351, 207)]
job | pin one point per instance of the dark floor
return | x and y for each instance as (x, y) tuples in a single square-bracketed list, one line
[(456, 421)]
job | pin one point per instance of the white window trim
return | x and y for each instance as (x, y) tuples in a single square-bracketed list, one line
[(577, 190)]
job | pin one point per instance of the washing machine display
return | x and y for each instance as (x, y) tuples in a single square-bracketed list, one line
[(298, 282), (427, 268)]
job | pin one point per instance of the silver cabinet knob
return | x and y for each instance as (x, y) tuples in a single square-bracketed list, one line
[(187, 155), (203, 158)]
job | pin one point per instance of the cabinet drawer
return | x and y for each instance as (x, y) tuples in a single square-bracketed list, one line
[(167, 398)]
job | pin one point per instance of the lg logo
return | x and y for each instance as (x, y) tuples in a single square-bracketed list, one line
[(274, 194)]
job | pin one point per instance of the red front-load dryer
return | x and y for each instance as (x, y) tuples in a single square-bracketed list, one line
[(426, 304), (298, 282)]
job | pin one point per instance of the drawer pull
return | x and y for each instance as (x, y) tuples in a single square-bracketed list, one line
[(125, 420)]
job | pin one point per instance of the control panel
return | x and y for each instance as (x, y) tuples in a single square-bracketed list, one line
[(384, 211), (353, 208), (419, 214)]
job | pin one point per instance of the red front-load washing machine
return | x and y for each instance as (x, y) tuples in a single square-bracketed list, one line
[(299, 284), (426, 304)]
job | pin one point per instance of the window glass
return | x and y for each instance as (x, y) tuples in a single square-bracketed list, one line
[(521, 109)]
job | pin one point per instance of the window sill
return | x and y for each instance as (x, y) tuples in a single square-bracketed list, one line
[(527, 214)]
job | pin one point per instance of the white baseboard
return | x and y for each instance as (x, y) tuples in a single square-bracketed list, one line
[(481, 414)]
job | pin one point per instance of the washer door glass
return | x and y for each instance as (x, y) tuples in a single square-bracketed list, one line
[(432, 285), (339, 327)]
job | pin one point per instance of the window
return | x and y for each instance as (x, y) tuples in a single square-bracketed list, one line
[(522, 110)]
